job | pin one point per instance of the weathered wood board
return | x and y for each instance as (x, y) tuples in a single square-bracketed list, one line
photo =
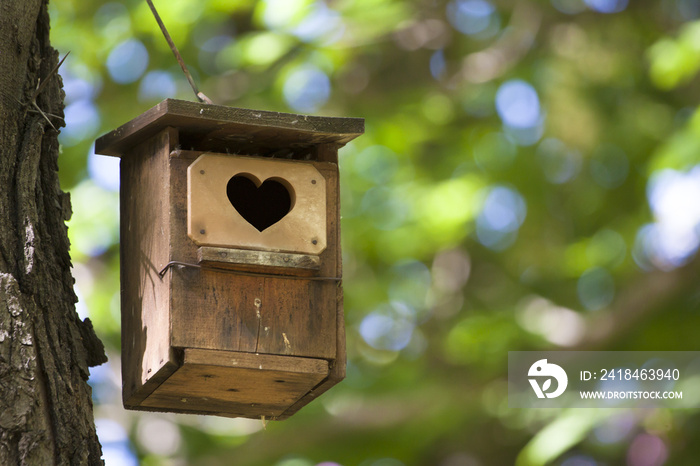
[(217, 128), (245, 384), (276, 263), (144, 230)]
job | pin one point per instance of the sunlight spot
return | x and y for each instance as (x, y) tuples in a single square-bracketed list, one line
[(103, 170), (518, 105), (616, 429), (474, 17), (607, 6), (157, 85), (320, 22), (438, 66), (82, 122), (158, 435), (387, 328), (127, 61), (675, 236), (116, 450), (559, 325), (307, 89), (502, 214)]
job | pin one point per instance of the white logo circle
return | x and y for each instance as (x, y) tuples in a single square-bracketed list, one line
[(543, 369)]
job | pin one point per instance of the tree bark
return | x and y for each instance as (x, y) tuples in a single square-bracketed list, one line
[(45, 402)]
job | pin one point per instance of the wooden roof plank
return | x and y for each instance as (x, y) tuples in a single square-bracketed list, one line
[(229, 123)]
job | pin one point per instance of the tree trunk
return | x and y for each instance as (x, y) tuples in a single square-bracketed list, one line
[(45, 350)]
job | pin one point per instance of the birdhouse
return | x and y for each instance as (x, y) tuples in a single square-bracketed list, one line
[(231, 294)]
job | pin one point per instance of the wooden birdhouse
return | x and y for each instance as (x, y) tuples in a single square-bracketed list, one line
[(231, 292)]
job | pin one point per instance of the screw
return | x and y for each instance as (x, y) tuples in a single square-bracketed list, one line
[(313, 181), (201, 172), (313, 241), (201, 232)]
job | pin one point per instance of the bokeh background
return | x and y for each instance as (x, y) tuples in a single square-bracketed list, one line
[(529, 180)]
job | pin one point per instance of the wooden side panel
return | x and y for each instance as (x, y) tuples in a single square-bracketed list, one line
[(227, 311), (144, 232)]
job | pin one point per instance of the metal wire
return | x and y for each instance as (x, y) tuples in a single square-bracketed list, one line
[(248, 274)]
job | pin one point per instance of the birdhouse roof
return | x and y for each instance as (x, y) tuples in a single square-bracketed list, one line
[(218, 128)]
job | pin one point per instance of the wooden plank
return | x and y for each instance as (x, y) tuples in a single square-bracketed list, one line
[(255, 361), (214, 127), (259, 261), (336, 370), (137, 397), (295, 319), (144, 234), (240, 384), (215, 310)]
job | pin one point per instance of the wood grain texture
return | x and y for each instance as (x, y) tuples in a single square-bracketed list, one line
[(212, 220), (46, 409), (338, 364), (242, 384), (306, 322), (145, 232), (266, 362), (278, 263), (216, 310), (218, 128)]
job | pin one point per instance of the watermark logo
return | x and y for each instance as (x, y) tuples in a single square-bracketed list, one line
[(542, 369)]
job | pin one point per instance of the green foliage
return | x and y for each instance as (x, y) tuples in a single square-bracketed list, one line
[(528, 177)]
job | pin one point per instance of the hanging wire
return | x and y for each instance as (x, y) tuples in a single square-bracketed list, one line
[(200, 95), (170, 264)]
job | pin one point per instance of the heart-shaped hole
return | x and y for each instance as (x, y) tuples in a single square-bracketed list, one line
[(261, 205)]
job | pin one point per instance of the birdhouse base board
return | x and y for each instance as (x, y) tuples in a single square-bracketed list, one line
[(234, 384)]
